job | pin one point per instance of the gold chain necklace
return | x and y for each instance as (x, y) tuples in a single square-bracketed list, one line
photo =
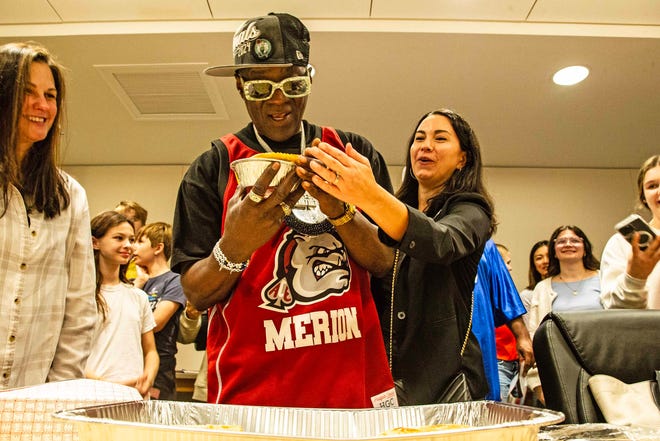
[(574, 291), (394, 270)]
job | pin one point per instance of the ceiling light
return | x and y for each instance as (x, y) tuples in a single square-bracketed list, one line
[(570, 75)]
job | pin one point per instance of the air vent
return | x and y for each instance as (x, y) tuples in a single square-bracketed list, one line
[(165, 91)]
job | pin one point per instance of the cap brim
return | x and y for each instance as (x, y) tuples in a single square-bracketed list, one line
[(230, 71)]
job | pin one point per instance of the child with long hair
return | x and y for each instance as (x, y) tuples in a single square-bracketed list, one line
[(124, 349)]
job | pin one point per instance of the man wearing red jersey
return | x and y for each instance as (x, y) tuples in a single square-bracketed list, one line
[(291, 317)]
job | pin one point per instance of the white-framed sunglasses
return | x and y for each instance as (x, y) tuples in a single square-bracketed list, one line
[(292, 87)]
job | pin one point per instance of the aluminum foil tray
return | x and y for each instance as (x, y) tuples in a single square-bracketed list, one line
[(179, 421), (598, 432), (26, 413)]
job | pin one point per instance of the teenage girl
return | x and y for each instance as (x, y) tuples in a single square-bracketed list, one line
[(124, 349)]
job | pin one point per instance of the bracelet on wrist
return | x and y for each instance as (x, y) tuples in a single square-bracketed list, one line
[(347, 216), (224, 263)]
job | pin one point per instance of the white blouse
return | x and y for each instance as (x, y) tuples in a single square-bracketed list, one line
[(47, 277)]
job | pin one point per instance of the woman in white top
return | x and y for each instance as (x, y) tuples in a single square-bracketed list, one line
[(124, 349), (572, 284), (47, 310), (630, 276)]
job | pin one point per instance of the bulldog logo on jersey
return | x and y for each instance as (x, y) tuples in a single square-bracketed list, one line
[(308, 269)]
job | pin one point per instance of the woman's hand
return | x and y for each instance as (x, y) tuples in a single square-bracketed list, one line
[(642, 262), (346, 176)]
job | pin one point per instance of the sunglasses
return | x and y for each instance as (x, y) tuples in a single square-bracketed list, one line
[(292, 87)]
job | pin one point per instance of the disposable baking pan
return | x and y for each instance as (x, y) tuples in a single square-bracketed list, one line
[(180, 421), (26, 412)]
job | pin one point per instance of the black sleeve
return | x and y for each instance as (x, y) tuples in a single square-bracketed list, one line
[(200, 340), (198, 212), (378, 165)]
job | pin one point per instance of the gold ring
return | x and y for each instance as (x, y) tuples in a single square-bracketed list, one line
[(285, 208), (336, 181), (255, 197)]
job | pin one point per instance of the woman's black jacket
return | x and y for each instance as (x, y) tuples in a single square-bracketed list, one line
[(433, 299)]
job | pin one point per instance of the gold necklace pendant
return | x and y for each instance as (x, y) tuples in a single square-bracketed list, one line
[(574, 291)]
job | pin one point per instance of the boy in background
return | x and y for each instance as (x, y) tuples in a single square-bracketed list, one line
[(153, 247)]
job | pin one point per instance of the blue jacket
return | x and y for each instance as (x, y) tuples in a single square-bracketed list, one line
[(496, 302)]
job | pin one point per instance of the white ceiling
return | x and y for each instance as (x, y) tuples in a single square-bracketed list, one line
[(380, 64)]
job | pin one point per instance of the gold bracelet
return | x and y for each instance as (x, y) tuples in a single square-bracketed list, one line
[(347, 216)]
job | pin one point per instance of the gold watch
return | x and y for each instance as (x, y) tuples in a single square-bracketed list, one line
[(347, 216)]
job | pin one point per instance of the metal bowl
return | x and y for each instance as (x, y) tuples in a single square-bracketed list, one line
[(306, 216), (248, 170)]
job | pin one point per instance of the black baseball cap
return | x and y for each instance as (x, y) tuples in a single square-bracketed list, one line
[(273, 40)]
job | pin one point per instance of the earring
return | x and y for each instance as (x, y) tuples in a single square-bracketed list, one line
[(410, 172)]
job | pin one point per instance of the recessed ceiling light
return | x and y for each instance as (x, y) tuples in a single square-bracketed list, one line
[(570, 75)]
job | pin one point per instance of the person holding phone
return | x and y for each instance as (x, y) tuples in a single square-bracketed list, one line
[(630, 274)]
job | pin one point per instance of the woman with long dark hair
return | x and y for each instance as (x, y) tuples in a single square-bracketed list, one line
[(47, 310), (430, 238), (572, 284)]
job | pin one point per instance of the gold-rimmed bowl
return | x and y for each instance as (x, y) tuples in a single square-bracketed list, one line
[(248, 170)]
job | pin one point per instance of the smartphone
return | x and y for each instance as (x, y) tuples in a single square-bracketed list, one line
[(635, 223)]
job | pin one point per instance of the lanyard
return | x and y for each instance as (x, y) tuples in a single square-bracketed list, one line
[(266, 147)]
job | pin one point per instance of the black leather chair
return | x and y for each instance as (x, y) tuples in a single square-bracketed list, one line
[(570, 347)]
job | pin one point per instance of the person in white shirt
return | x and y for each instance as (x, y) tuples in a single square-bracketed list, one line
[(191, 331), (124, 349), (47, 308), (630, 275)]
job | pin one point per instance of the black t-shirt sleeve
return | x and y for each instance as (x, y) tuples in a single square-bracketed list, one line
[(198, 212)]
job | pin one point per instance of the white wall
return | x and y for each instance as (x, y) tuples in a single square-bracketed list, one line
[(530, 204), (152, 186)]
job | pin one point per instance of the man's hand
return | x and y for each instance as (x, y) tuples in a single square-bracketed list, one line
[(523, 343), (526, 353), (248, 223), (329, 205)]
